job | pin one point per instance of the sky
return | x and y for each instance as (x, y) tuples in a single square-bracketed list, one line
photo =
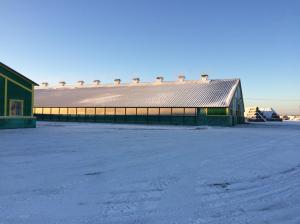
[(256, 41)]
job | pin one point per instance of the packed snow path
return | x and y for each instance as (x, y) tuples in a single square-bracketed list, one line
[(101, 173)]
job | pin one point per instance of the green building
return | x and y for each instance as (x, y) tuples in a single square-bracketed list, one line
[(187, 102), (16, 99)]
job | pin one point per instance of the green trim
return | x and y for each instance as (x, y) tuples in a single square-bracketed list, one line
[(5, 97), (16, 83), (32, 99)]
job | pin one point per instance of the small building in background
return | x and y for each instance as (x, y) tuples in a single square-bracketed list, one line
[(187, 102), (291, 117), (261, 114), (16, 99)]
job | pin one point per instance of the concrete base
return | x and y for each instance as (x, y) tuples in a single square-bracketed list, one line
[(16, 122)]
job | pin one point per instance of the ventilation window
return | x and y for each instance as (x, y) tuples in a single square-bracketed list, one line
[(131, 111), (72, 111), (190, 112), (46, 110), (90, 111), (165, 111), (100, 111), (141, 111), (55, 111), (120, 111), (110, 111), (177, 111), (153, 111)]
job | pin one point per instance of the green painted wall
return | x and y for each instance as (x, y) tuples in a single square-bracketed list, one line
[(216, 111), (216, 120), (2, 85), (142, 119), (18, 93)]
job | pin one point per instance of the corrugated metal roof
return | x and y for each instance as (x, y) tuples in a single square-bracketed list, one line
[(212, 93)]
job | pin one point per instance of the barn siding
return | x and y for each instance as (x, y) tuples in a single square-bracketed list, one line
[(16, 92), (217, 117), (2, 101)]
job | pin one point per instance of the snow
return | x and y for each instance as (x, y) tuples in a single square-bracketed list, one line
[(109, 173)]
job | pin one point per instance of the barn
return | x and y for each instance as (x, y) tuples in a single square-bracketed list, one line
[(16, 99), (187, 102)]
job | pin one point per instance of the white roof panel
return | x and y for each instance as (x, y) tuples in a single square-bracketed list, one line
[(212, 93)]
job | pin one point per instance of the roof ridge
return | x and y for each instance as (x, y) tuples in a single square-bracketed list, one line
[(103, 85)]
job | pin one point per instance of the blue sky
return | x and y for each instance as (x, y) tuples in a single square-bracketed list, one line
[(257, 41)]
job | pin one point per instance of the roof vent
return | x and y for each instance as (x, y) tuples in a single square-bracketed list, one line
[(181, 78), (204, 77), (136, 80), (96, 82), (80, 82), (45, 84), (117, 81), (62, 83), (159, 79)]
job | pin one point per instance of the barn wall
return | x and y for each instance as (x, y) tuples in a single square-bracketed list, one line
[(143, 119), (202, 116), (216, 120), (2, 86), (16, 92), (237, 107)]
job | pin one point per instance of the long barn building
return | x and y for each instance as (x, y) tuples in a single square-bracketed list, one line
[(188, 102)]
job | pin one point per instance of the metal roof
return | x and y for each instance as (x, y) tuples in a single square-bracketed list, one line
[(211, 93)]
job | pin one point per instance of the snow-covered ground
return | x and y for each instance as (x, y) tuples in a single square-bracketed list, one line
[(108, 173)]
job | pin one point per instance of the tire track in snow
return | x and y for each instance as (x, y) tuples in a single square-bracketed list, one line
[(135, 200), (239, 200)]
